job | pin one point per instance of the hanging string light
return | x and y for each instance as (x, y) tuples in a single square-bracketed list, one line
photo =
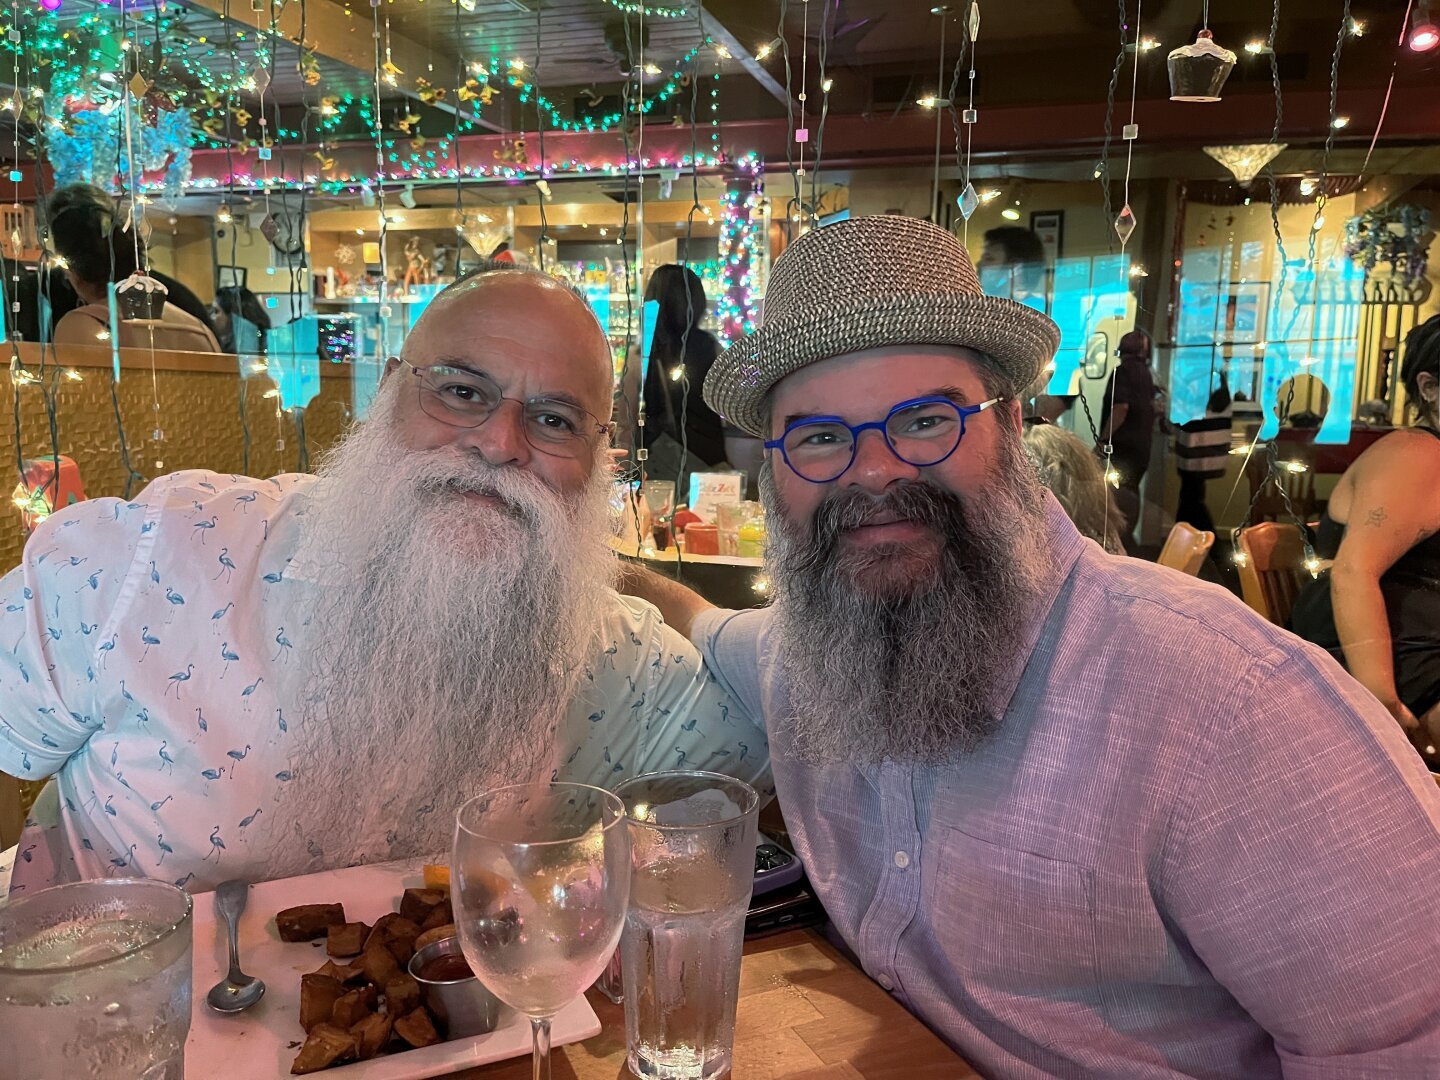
[(969, 200)]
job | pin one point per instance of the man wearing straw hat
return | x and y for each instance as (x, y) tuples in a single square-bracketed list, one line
[(1083, 816)]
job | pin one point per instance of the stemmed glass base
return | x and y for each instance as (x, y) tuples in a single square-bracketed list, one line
[(540, 1038)]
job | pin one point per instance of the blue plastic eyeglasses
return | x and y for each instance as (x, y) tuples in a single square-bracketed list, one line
[(920, 432)]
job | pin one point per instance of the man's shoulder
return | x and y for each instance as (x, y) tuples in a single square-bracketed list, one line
[(734, 632), (196, 495), (1154, 609), (185, 488)]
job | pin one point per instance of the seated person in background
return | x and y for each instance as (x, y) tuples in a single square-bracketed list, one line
[(1378, 607), (259, 678), (25, 287), (1083, 816), (84, 230), (1074, 476), (241, 321)]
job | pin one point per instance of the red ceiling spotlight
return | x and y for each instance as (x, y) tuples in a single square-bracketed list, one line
[(1424, 34)]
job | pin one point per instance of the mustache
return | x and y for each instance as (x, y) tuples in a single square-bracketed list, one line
[(448, 472), (920, 502)]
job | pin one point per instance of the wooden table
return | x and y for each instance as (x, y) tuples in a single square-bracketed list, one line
[(806, 1013)]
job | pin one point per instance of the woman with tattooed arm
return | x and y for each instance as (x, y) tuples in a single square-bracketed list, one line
[(1378, 608)]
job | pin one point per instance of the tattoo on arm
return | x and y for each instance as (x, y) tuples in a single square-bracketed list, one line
[(1377, 517)]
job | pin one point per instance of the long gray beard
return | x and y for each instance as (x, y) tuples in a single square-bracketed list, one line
[(446, 642), (905, 675)]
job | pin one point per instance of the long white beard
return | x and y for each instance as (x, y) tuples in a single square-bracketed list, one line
[(446, 641), (911, 676)]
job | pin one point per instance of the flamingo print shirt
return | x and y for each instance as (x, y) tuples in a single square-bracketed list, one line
[(147, 662)]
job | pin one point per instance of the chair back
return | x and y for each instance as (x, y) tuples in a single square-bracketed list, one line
[(1186, 548), (12, 817), (1273, 569)]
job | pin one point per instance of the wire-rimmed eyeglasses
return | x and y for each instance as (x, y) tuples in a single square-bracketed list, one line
[(466, 399), (920, 432)]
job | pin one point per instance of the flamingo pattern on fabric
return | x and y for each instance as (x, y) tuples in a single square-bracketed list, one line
[(173, 627)]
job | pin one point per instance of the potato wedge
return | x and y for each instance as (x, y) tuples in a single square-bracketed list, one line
[(397, 934), (348, 939), (429, 937), (440, 915), (325, 1046), (353, 1007), (417, 904), (374, 1032), (417, 1029), (333, 970), (379, 964), (318, 994), (308, 921), (402, 995)]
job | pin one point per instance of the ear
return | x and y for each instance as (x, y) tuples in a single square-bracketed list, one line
[(1014, 414), (391, 366)]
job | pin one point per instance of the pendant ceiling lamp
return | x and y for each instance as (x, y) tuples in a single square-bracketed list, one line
[(1246, 161)]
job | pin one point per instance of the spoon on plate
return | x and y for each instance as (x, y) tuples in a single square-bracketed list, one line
[(237, 991)]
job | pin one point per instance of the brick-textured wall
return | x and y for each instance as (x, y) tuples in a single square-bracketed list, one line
[(199, 414)]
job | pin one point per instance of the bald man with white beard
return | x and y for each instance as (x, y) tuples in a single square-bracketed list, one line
[(231, 677)]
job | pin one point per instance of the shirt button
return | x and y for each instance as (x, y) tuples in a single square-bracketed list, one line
[(885, 982), (902, 860)]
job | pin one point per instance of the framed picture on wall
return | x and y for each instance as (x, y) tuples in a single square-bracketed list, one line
[(1049, 226)]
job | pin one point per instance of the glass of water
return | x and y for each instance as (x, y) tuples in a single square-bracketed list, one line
[(95, 980), (692, 839), (541, 872)]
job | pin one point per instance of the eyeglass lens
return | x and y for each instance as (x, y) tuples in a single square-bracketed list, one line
[(466, 399), (922, 434)]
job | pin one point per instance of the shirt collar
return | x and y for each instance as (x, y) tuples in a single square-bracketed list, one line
[(1064, 544)]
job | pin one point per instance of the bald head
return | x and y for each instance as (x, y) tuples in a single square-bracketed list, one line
[(502, 317), (534, 337)]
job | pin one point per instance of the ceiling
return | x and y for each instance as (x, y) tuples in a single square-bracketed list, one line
[(881, 54)]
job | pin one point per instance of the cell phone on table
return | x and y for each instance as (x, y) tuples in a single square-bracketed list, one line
[(784, 909), (775, 865)]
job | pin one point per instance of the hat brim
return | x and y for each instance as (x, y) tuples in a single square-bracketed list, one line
[(1018, 341)]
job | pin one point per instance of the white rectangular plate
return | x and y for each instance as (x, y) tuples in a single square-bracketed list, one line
[(258, 1042)]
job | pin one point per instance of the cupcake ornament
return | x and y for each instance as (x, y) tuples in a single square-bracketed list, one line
[(1198, 71), (140, 298)]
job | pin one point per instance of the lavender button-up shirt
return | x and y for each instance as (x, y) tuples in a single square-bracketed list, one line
[(1196, 848)]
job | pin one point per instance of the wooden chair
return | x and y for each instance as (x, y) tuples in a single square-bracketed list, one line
[(1186, 548), (12, 816), (1272, 570)]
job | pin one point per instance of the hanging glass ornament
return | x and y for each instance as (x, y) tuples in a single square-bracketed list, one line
[(1125, 225), (969, 201), (974, 26), (1245, 160), (1198, 72), (140, 298)]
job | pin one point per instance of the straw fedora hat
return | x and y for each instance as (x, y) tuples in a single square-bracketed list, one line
[(867, 283)]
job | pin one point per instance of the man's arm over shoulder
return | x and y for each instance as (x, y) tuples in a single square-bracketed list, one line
[(695, 720), (678, 605), (57, 625), (1303, 864)]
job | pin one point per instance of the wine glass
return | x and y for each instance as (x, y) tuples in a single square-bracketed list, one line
[(542, 877)]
